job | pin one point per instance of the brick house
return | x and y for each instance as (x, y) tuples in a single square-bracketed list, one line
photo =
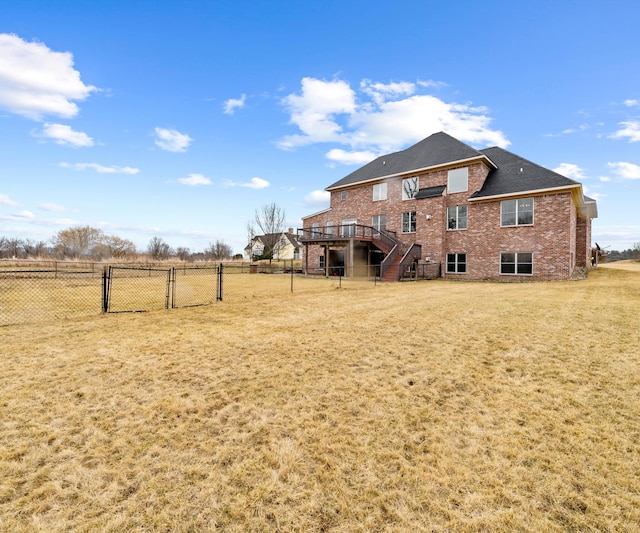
[(441, 208)]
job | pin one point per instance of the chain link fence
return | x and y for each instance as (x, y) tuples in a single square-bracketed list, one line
[(28, 296)]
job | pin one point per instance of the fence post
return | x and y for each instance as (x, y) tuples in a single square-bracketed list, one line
[(105, 289), (219, 284), (292, 275)]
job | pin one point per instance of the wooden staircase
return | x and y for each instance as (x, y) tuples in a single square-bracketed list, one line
[(393, 272)]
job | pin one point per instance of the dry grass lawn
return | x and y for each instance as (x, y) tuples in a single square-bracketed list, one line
[(427, 406)]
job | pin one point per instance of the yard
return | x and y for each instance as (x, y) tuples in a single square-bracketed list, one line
[(426, 406)]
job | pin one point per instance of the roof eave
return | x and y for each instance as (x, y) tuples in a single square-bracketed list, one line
[(571, 188)]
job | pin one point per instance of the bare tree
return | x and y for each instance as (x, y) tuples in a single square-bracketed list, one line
[(158, 249), (119, 248), (78, 242), (35, 248), (218, 251), (183, 253), (270, 222)]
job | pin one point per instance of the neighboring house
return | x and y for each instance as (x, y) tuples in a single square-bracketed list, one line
[(442, 206), (277, 246)]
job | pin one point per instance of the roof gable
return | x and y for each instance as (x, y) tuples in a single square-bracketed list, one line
[(437, 149)]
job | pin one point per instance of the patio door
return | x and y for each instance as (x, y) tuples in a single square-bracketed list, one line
[(349, 227)]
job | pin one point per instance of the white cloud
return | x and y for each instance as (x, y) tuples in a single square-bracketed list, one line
[(194, 180), (172, 140), (24, 214), (253, 183), (627, 171), (350, 158), (64, 135), (48, 206), (102, 169), (632, 103), (232, 104), (381, 118), (256, 183), (631, 130), (604, 179), (318, 197), (5, 200), (36, 81), (313, 111), (571, 171)]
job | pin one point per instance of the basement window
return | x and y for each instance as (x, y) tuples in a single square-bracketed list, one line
[(456, 263), (516, 263)]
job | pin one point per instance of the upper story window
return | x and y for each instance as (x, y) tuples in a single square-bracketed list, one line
[(315, 229), (516, 212), (379, 192), (409, 222), (458, 180), (343, 195), (409, 188), (457, 217)]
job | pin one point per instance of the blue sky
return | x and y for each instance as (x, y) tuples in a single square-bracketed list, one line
[(179, 119)]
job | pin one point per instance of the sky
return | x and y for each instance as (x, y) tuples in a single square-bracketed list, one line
[(179, 119)]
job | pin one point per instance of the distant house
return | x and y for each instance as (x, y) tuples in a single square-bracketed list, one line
[(277, 246), (443, 207)]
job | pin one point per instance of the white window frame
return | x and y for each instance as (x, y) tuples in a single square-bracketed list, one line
[(376, 222), (321, 262), (456, 263), (349, 227), (516, 264), (456, 218), (458, 180), (517, 213), (328, 229), (379, 192), (410, 188), (410, 222)]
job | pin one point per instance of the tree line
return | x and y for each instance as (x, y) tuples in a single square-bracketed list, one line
[(86, 242)]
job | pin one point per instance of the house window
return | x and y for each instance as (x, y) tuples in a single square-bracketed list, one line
[(329, 228), (456, 263), (516, 212), (349, 227), (379, 222), (379, 192), (458, 180), (321, 262), (409, 188), (409, 222), (516, 263), (315, 229), (343, 195), (457, 217)]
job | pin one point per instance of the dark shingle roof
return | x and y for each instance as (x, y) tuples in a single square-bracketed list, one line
[(430, 192), (437, 149), (516, 174)]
